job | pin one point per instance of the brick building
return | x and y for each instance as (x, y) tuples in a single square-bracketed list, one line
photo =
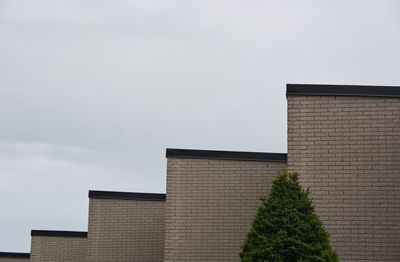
[(65, 246), (343, 140), (345, 143), (126, 226), (212, 197)]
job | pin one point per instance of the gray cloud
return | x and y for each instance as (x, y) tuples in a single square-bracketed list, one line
[(92, 92)]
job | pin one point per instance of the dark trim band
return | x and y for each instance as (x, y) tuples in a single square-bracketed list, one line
[(342, 90), (126, 195), (226, 155), (53, 233), (15, 255)]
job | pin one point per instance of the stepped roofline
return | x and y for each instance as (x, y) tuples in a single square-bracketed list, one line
[(226, 155), (342, 90), (56, 233), (126, 195), (14, 255)]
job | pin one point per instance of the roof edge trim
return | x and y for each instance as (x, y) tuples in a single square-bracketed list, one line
[(226, 155), (126, 195), (15, 255), (56, 233), (342, 90)]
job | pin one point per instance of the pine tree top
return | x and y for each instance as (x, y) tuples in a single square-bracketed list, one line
[(286, 227)]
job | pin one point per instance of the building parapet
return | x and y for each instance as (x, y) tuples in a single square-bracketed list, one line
[(126, 195), (14, 255), (54, 233), (342, 90), (226, 155)]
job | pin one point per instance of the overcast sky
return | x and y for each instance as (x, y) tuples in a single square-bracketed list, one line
[(93, 92)]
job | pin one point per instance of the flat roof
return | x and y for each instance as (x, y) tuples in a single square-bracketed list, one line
[(126, 195), (342, 90), (56, 233), (14, 255), (226, 155)]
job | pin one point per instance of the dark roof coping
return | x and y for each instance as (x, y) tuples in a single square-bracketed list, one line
[(342, 90), (226, 155), (14, 255), (53, 233), (126, 195)]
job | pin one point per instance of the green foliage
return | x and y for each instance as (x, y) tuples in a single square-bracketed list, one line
[(286, 227)]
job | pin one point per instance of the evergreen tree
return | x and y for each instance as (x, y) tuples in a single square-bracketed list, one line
[(286, 227)]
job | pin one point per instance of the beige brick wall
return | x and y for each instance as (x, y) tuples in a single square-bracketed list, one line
[(126, 230), (60, 249), (347, 150), (210, 205)]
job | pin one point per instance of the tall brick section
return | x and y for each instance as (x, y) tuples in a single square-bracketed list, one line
[(126, 226), (345, 142), (14, 257), (61, 246), (212, 197)]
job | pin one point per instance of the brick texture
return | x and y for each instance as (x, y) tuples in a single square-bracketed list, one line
[(347, 150), (13, 259), (210, 205), (60, 249), (126, 230)]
